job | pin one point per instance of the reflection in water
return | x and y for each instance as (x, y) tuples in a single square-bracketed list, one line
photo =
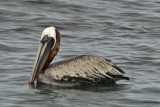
[(80, 95), (92, 88)]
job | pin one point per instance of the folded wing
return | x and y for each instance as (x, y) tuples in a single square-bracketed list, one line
[(85, 69)]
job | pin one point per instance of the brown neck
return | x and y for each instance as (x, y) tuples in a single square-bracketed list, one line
[(53, 52)]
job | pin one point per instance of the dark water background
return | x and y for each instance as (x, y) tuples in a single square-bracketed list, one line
[(125, 31)]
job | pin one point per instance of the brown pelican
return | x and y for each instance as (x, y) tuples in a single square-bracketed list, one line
[(84, 69)]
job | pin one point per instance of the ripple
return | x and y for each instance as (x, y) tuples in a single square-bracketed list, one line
[(124, 31)]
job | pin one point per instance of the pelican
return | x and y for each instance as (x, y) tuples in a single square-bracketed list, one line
[(84, 69)]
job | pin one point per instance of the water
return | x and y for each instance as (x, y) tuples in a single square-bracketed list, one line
[(125, 31)]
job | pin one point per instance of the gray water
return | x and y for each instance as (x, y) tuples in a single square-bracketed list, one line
[(124, 31)]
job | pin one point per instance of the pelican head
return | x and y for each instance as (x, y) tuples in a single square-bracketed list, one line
[(48, 48)]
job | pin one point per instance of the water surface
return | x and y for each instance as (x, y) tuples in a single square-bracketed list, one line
[(124, 31)]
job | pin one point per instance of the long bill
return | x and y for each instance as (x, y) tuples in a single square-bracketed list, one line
[(44, 49)]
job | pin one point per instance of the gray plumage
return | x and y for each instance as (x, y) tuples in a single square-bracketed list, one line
[(85, 69)]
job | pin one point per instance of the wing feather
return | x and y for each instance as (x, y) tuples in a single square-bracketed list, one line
[(85, 68)]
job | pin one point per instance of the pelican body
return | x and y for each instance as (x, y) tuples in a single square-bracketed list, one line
[(84, 69)]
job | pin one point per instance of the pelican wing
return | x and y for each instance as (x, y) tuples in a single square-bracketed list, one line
[(85, 69)]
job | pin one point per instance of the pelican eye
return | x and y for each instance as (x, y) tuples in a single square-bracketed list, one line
[(45, 39)]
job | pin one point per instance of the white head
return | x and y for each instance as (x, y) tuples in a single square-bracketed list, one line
[(50, 32)]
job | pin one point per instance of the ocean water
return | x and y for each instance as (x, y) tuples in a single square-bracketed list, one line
[(124, 31)]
